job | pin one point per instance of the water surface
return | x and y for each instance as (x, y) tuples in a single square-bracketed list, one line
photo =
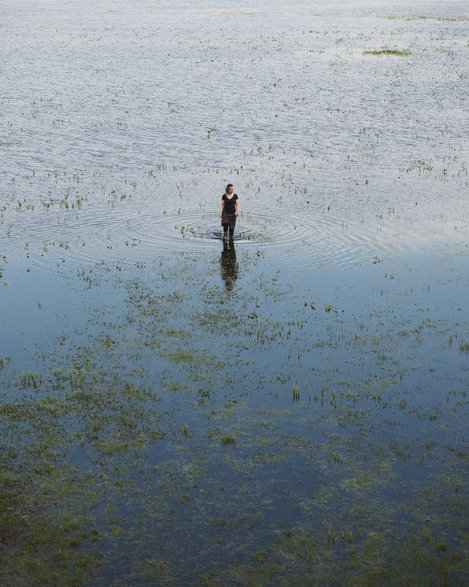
[(289, 408)]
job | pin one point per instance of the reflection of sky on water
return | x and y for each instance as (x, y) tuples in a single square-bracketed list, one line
[(287, 98)]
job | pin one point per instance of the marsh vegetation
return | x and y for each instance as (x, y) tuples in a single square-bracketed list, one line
[(291, 409)]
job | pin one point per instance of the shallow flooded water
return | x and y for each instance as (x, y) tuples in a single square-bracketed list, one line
[(288, 408)]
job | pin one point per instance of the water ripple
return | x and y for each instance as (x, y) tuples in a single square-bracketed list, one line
[(312, 241)]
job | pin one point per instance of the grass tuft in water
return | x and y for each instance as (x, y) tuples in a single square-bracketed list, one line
[(295, 392), (387, 51), (228, 439)]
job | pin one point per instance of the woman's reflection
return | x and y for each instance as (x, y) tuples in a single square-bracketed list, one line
[(229, 268)]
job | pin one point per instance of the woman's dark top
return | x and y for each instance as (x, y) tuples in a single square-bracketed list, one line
[(230, 206)]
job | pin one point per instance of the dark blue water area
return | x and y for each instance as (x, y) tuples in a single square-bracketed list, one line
[(45, 310), (396, 309), (40, 306), (289, 400)]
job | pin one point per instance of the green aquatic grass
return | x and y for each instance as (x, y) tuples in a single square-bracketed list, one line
[(296, 392), (174, 416), (228, 439), (388, 51), (429, 18)]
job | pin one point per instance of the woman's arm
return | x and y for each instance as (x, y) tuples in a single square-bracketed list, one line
[(238, 209), (221, 207)]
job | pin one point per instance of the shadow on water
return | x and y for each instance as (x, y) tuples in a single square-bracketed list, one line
[(229, 267)]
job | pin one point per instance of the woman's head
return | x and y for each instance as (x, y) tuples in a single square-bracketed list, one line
[(229, 189)]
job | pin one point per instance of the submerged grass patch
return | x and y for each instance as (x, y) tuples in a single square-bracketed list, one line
[(441, 18), (388, 51), (228, 439), (255, 422)]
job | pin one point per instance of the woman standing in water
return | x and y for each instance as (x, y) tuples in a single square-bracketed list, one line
[(229, 210)]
